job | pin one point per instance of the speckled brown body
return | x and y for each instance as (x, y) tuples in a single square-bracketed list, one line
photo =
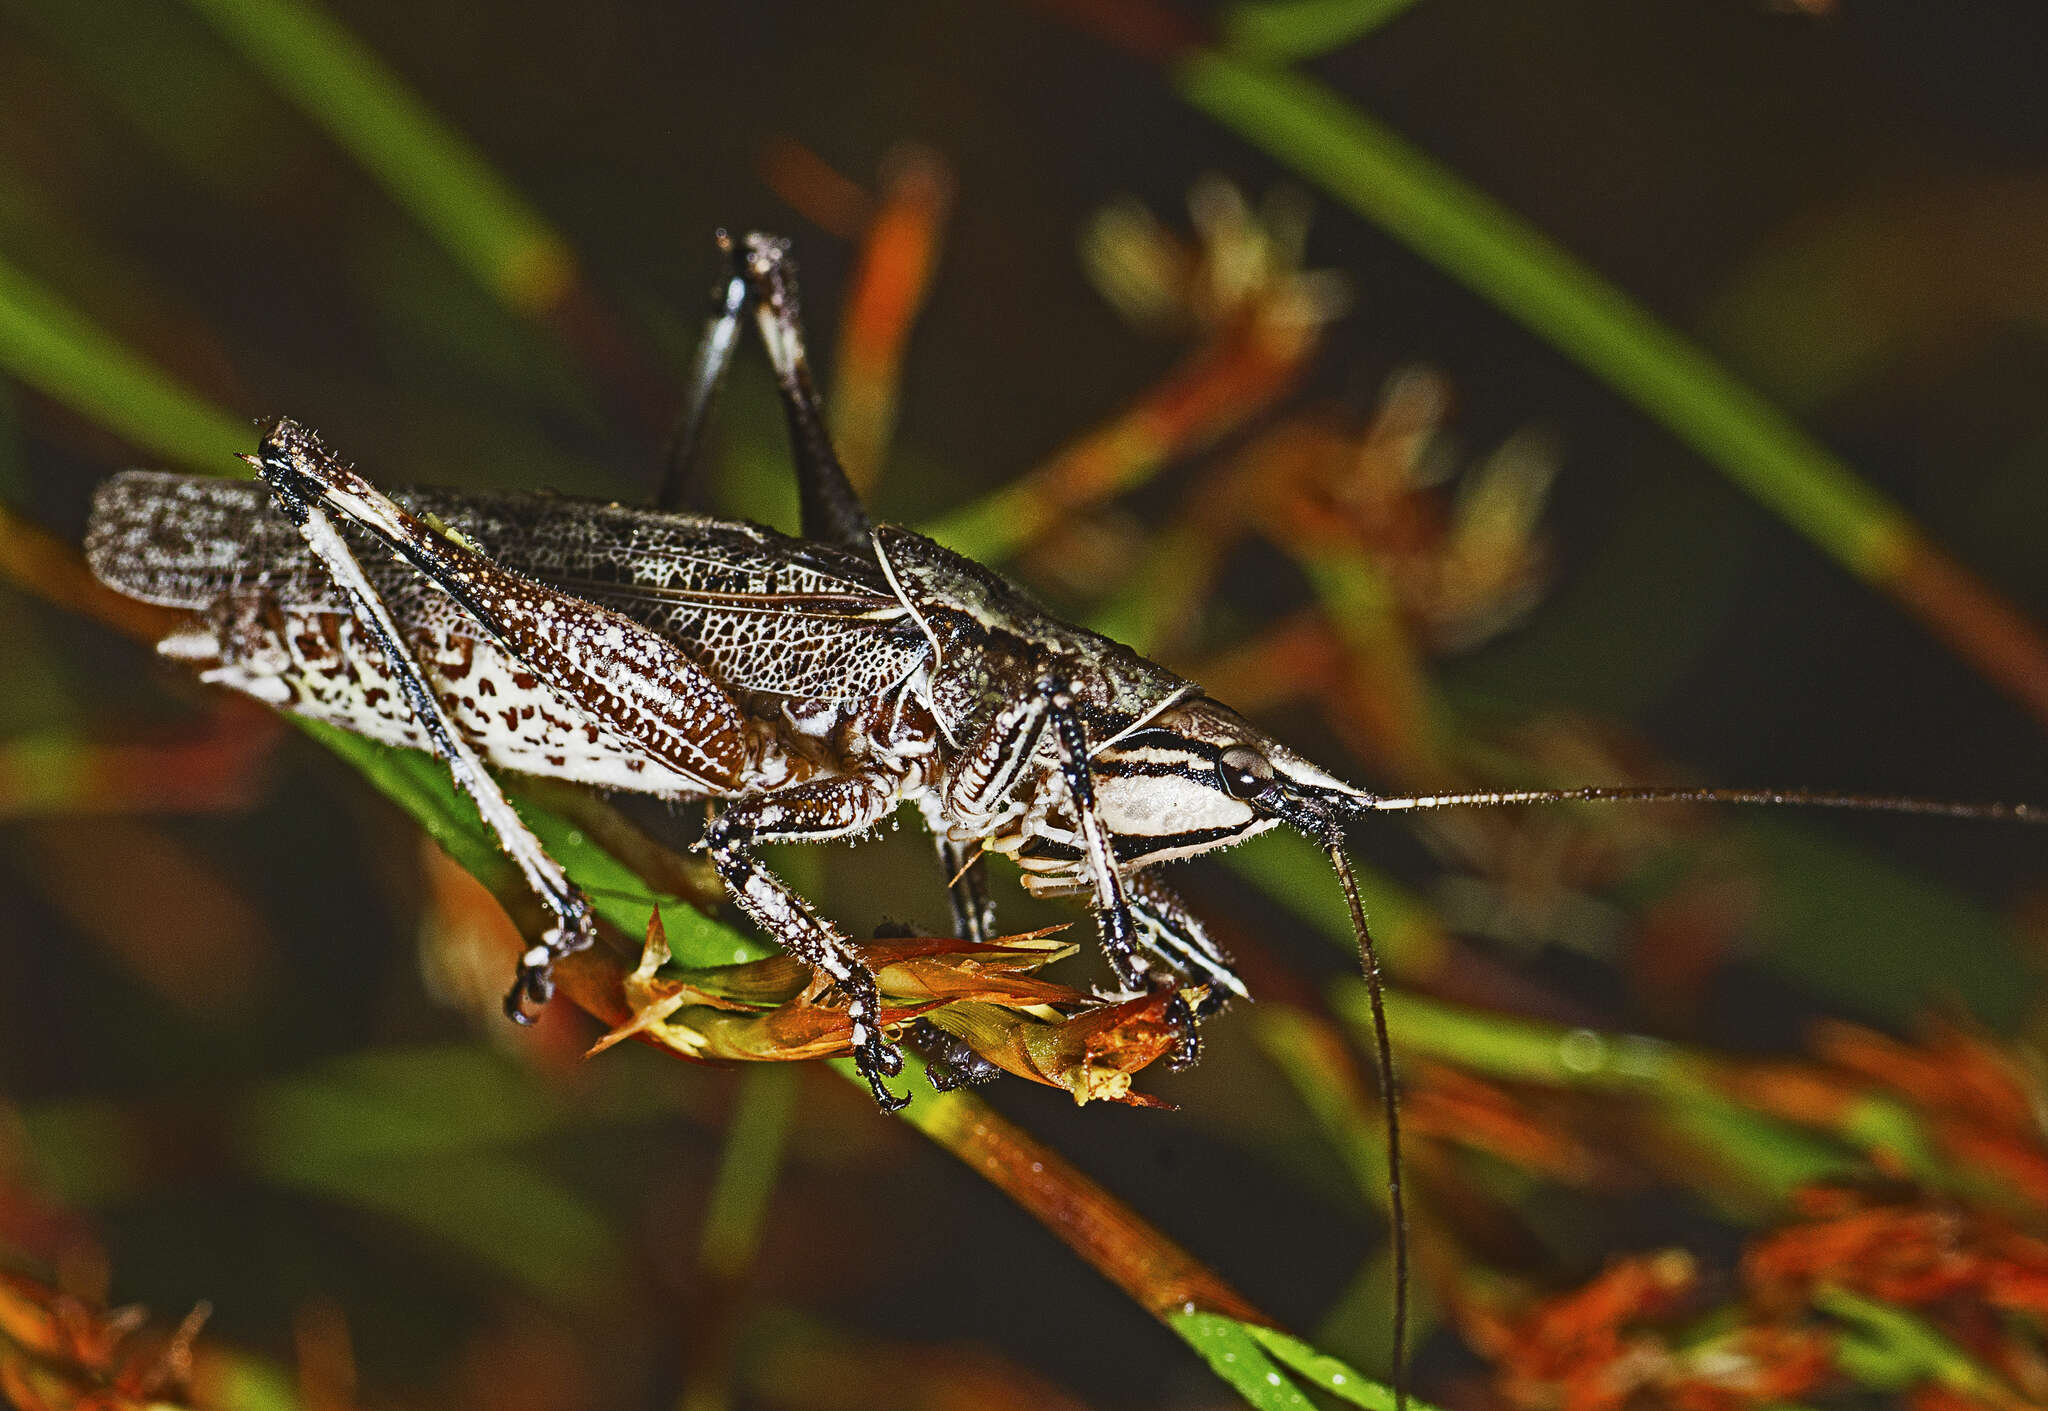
[(809, 688), (819, 663), (808, 662)]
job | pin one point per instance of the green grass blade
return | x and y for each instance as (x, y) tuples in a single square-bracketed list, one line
[(748, 1168), (1899, 1349), (427, 167), (1506, 260), (1282, 31), (1257, 1362), (1774, 1153), (1328, 1373), (1235, 1355), (52, 347)]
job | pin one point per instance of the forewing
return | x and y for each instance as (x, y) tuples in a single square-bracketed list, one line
[(759, 611), (756, 610), (188, 541)]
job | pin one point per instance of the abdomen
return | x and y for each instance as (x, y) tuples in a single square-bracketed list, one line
[(267, 621)]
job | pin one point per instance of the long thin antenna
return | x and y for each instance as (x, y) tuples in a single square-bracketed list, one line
[(1798, 798), (1397, 1208), (1501, 798)]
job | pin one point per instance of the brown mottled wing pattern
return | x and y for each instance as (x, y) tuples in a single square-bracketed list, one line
[(757, 611), (188, 541)]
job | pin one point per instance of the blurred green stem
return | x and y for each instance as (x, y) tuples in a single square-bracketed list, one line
[(754, 1142), (1506, 260), (427, 167), (1895, 1349), (1296, 873), (55, 349), (1323, 1076), (1281, 31), (734, 1217), (1697, 1094)]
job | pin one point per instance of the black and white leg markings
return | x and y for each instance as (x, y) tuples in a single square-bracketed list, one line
[(830, 808), (1166, 928), (1112, 908), (1169, 930), (981, 780), (977, 786), (572, 930)]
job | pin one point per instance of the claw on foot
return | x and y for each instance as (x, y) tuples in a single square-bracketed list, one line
[(877, 1059), (950, 1062), (873, 1054), (535, 981), (884, 1099), (515, 1001), (535, 978)]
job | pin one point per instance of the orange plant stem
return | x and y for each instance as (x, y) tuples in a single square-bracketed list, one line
[(897, 261), (1122, 1246), (1158, 1274), (1965, 612), (1215, 390)]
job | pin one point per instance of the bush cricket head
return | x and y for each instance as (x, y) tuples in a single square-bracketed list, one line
[(1200, 776)]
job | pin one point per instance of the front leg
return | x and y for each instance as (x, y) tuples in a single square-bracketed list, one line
[(1113, 920), (977, 791), (974, 793), (814, 812), (980, 782), (1169, 930)]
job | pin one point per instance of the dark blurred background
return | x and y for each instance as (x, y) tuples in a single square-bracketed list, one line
[(1845, 204)]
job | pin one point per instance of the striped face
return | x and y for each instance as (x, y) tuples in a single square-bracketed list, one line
[(1196, 778)]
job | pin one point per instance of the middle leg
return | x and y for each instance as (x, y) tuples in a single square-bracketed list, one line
[(813, 812), (1113, 920)]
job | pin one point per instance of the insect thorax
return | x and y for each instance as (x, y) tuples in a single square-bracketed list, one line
[(993, 642)]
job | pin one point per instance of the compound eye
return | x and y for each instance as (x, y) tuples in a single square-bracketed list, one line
[(1245, 772)]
